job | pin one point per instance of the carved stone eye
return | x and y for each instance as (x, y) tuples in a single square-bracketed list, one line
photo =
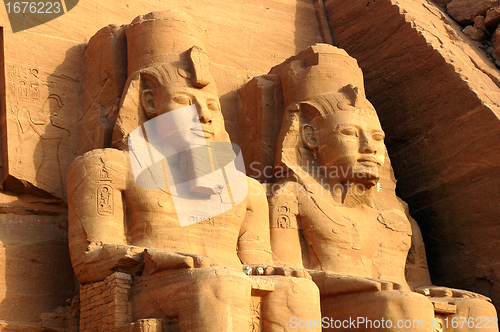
[(213, 106), (349, 131), (181, 99), (378, 137)]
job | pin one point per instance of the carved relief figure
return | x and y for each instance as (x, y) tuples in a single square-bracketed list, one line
[(191, 276), (334, 211), (43, 126)]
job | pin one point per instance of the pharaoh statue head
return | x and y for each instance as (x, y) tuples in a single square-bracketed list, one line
[(330, 130), (170, 119), (168, 69)]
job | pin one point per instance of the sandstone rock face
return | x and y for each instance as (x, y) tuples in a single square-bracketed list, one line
[(474, 33), (464, 11), (442, 2), (492, 16), (42, 98), (496, 43), (428, 85), (483, 24), (35, 275), (104, 72), (436, 95), (479, 22)]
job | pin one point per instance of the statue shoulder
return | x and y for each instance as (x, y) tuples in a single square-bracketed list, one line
[(284, 198), (255, 187), (94, 158), (286, 189), (99, 166)]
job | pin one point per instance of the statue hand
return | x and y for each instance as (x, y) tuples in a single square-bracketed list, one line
[(200, 261), (124, 254), (336, 284), (117, 257), (157, 260), (438, 291), (263, 270)]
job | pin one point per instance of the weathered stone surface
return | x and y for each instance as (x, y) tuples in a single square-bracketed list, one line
[(479, 22), (260, 112), (474, 33), (234, 36), (492, 16), (464, 11), (495, 39), (104, 72), (41, 106), (442, 2), (35, 276), (437, 99)]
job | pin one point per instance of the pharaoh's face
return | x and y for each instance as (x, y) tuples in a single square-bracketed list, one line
[(176, 95), (352, 142)]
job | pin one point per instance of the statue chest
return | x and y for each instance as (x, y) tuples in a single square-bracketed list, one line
[(154, 221), (358, 240)]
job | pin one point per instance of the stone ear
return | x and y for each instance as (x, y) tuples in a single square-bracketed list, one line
[(308, 135), (308, 132), (148, 103)]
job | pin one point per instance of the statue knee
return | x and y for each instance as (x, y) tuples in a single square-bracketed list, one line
[(404, 305), (378, 311), (220, 301), (294, 289), (472, 314), (223, 285), (293, 303)]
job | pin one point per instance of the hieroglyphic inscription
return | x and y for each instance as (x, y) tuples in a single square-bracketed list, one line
[(23, 82), (256, 313), (105, 194)]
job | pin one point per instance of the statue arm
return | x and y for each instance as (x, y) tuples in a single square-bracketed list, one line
[(417, 271), (285, 233), (254, 242), (97, 240)]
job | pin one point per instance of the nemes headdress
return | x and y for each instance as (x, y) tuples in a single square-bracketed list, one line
[(168, 46)]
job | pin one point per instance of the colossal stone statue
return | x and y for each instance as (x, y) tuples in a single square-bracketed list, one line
[(334, 209), (188, 276)]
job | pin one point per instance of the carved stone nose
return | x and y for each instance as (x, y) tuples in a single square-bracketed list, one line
[(205, 119)]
